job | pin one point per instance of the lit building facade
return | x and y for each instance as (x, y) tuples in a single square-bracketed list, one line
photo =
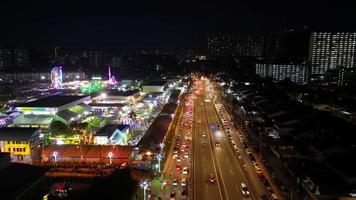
[(5, 58), (19, 142), (331, 50), (298, 73), (222, 44), (40, 76)]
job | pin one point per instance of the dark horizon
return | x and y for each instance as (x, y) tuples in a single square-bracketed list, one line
[(161, 25)]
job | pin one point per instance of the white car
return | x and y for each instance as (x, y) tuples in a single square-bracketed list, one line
[(179, 159), (204, 135), (185, 170), (174, 182), (186, 155), (183, 182), (248, 151), (244, 189)]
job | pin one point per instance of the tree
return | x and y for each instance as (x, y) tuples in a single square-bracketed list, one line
[(59, 128)]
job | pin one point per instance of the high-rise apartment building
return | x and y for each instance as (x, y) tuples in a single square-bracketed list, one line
[(331, 50), (297, 73), (222, 44), (5, 58), (21, 57)]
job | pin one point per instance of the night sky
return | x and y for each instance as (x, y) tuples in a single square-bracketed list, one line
[(158, 24)]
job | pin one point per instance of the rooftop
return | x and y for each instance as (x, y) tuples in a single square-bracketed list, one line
[(51, 101), (109, 129), (155, 83), (16, 134), (126, 93)]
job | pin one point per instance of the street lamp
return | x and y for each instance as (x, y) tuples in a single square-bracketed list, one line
[(159, 158), (55, 155), (161, 145), (110, 155), (144, 186)]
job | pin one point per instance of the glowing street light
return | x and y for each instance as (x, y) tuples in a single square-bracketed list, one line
[(144, 186), (159, 158), (110, 155), (103, 95), (161, 145), (55, 155)]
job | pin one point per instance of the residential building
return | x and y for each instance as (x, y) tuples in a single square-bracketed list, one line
[(298, 73), (21, 57), (330, 50), (5, 58), (222, 44), (21, 76)]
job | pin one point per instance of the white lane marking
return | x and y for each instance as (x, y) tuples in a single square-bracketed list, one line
[(237, 188), (207, 189)]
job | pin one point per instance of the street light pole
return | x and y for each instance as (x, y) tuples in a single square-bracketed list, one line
[(159, 158), (110, 155), (144, 186)]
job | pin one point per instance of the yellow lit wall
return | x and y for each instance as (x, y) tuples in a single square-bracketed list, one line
[(17, 148)]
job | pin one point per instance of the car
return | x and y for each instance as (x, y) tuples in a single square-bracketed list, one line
[(185, 170), (218, 126), (252, 158), (178, 167), (258, 169), (179, 159), (174, 182), (186, 155), (244, 145), (172, 196), (217, 144), (274, 196), (244, 189), (248, 151), (199, 121), (235, 147), (211, 178), (233, 141), (183, 182), (175, 150), (184, 193), (204, 135)]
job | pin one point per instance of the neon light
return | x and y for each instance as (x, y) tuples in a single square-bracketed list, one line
[(56, 77), (111, 79)]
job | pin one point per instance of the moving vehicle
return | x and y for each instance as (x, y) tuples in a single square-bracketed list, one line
[(185, 170), (174, 182), (244, 189), (183, 182), (217, 144), (211, 178), (172, 196)]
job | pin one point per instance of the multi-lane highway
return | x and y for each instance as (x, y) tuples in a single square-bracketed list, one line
[(204, 163), (218, 161)]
